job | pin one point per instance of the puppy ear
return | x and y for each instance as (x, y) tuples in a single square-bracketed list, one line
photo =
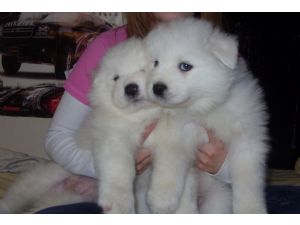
[(224, 47)]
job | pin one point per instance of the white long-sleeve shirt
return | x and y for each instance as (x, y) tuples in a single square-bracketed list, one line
[(60, 142)]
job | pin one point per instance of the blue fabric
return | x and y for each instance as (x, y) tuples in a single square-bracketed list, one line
[(280, 200), (77, 208), (283, 199)]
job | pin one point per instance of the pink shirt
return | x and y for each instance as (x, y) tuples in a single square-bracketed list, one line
[(79, 82)]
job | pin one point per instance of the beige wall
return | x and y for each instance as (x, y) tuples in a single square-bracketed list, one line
[(23, 134)]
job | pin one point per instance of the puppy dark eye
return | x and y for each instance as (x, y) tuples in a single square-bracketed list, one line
[(184, 67), (155, 63), (116, 77)]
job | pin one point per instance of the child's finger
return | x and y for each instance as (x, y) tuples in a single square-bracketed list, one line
[(148, 131), (143, 165)]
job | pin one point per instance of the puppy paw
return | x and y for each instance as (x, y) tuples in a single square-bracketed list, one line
[(164, 202), (121, 203), (251, 208), (190, 207)]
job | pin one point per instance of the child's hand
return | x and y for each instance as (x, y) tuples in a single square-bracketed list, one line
[(143, 160), (211, 156)]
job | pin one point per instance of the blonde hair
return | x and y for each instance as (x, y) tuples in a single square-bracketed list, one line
[(140, 23)]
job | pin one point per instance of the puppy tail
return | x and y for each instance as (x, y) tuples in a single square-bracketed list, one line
[(31, 186)]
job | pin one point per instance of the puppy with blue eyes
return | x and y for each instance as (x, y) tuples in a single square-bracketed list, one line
[(199, 81)]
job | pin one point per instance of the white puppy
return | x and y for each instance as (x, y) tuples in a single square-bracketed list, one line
[(200, 81), (120, 112)]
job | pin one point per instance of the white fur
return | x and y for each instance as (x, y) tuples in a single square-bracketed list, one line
[(217, 93), (118, 123)]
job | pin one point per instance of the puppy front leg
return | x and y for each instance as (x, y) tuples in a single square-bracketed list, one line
[(189, 198), (170, 164), (142, 183), (173, 156), (248, 176), (115, 167)]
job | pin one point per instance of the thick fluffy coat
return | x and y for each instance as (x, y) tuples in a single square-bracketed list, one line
[(120, 113), (198, 78)]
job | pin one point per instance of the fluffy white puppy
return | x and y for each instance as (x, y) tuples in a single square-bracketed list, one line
[(113, 131), (120, 113), (200, 81)]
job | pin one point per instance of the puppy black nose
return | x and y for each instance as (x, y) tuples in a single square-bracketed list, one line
[(131, 90), (159, 89)]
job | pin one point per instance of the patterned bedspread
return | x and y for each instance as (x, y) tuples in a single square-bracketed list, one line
[(5, 180), (12, 163)]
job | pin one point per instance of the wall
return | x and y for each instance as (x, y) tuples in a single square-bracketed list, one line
[(23, 134)]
